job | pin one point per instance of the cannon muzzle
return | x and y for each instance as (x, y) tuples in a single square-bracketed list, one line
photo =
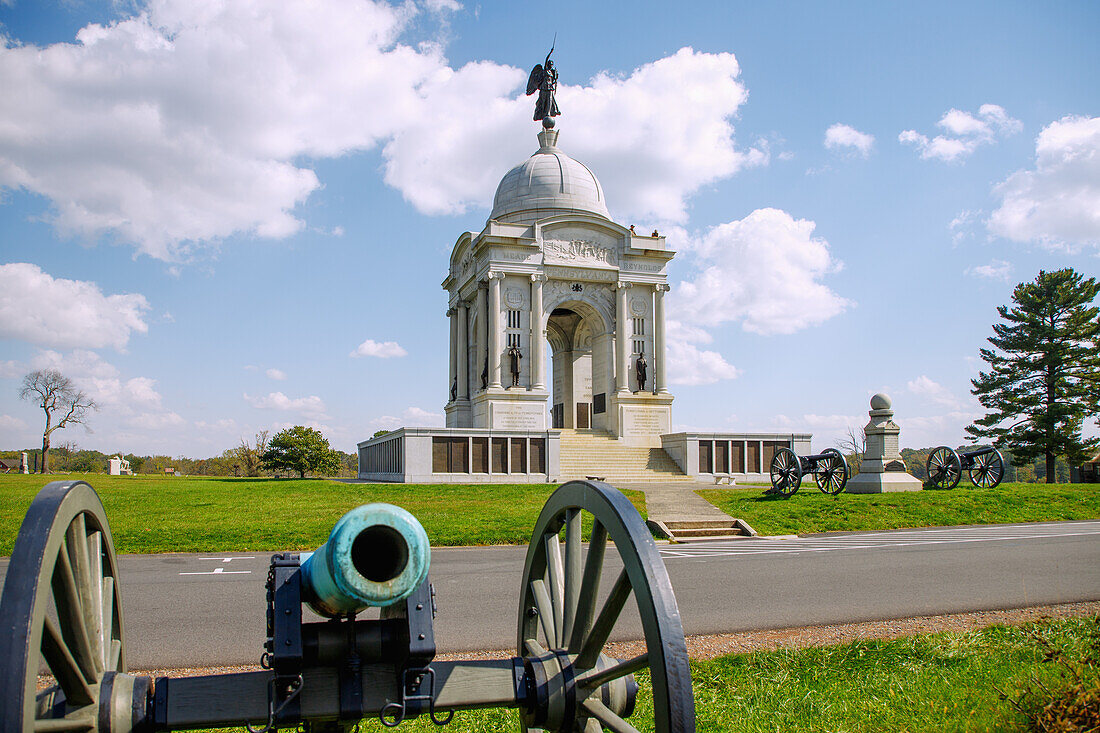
[(376, 555)]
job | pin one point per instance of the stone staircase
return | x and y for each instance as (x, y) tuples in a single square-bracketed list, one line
[(705, 529), (596, 453)]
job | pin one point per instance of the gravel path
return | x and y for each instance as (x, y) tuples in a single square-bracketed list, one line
[(708, 647)]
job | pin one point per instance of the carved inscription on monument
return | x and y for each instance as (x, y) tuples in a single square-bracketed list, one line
[(577, 273), (642, 421), (639, 267), (518, 417)]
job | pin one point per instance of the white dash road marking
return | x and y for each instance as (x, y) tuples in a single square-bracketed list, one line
[(223, 571)]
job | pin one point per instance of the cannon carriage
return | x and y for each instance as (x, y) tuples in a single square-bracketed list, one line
[(985, 467), (63, 655), (829, 469)]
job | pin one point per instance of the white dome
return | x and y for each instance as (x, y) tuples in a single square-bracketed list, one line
[(547, 183)]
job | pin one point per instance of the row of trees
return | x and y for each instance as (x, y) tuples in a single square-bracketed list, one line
[(299, 449)]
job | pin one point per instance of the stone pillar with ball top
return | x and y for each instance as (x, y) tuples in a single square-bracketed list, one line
[(882, 468)]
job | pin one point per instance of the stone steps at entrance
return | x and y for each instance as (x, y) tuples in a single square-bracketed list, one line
[(706, 530), (596, 453)]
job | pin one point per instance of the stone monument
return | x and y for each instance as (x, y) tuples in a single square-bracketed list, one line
[(882, 468), (551, 271)]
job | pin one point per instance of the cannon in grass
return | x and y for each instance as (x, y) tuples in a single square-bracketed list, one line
[(829, 470), (63, 654), (984, 466)]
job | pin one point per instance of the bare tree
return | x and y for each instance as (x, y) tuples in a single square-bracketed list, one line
[(249, 455), (853, 446), (59, 398)]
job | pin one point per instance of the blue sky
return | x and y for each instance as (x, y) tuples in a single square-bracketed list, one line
[(208, 208)]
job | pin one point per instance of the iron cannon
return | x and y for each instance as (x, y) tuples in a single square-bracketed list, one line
[(63, 655), (829, 470), (985, 467)]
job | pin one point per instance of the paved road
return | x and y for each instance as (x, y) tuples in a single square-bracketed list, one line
[(195, 610)]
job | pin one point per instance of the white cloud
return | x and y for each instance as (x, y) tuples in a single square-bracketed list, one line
[(38, 309), (442, 6), (688, 364), (926, 387), (134, 402), (679, 136), (12, 369), (411, 417), (380, 349), (8, 422), (423, 418), (932, 430), (827, 430), (995, 270), (189, 122), (764, 271), (961, 226), (845, 136), (77, 364), (312, 405), (276, 374), (965, 132), (224, 425), (1057, 204)]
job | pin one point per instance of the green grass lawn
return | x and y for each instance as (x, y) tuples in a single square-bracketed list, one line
[(809, 510), (168, 514), (938, 682), (929, 683)]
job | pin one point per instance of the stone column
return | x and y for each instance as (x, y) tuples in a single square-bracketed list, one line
[(463, 352), (622, 338), (660, 369), (452, 365), (494, 329), (538, 379), (482, 331)]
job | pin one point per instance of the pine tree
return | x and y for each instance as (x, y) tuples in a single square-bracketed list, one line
[(1044, 380)]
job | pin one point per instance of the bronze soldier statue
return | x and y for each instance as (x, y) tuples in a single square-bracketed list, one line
[(640, 366), (514, 356)]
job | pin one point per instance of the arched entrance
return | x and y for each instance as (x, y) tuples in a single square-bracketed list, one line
[(580, 349)]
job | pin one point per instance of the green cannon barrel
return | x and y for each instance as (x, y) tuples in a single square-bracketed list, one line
[(376, 555)]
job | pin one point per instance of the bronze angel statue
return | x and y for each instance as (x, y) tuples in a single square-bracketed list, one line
[(544, 80)]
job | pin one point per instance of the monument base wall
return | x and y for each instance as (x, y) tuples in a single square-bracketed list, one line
[(461, 456), (739, 456), (640, 418), (879, 483)]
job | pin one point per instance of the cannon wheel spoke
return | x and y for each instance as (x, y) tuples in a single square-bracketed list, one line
[(987, 470), (61, 599), (944, 468), (573, 580), (832, 473), (786, 472)]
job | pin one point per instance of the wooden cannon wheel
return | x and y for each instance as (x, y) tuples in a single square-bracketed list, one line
[(832, 472), (944, 468), (786, 472), (560, 618), (986, 469), (61, 613)]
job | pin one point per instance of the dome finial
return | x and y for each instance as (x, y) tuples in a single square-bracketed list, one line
[(548, 139)]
